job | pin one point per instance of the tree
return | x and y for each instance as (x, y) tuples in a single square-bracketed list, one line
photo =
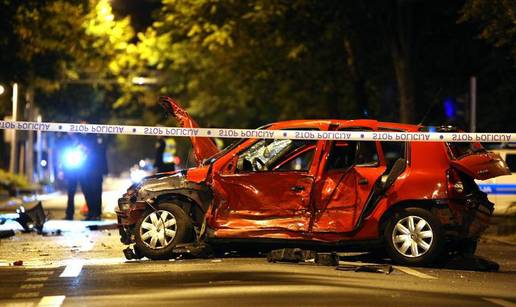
[(497, 21), (260, 60), (49, 44)]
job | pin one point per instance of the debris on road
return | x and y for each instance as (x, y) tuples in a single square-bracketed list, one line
[(29, 215), (369, 268), (294, 255), (327, 259), (18, 263), (6, 233), (103, 227)]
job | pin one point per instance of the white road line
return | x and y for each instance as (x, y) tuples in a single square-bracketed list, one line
[(31, 286), (73, 269), (401, 268), (26, 295), (51, 301), (414, 272), (499, 301), (36, 279)]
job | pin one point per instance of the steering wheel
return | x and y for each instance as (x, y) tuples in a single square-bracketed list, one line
[(259, 164)]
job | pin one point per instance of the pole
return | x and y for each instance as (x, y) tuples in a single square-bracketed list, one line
[(473, 104), (13, 161), (29, 143), (39, 151)]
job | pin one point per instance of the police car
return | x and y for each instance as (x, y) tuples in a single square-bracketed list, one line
[(502, 190)]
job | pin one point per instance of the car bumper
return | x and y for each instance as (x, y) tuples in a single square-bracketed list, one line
[(472, 216), (128, 214)]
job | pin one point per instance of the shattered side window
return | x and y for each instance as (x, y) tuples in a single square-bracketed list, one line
[(266, 154)]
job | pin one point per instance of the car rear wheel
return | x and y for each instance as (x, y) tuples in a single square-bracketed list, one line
[(158, 231), (414, 236)]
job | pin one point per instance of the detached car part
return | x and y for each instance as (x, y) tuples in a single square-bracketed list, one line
[(30, 216)]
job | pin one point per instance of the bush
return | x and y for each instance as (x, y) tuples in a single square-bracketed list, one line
[(12, 182)]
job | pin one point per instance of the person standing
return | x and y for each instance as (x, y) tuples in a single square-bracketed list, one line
[(163, 161), (70, 172), (91, 178)]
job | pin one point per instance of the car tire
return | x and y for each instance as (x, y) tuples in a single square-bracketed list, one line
[(414, 237), (157, 242)]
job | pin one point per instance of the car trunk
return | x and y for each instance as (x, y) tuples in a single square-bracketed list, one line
[(473, 160)]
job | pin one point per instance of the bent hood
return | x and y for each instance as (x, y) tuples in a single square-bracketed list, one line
[(203, 147), (482, 166)]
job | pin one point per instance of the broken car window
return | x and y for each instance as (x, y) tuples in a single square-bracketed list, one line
[(392, 151), (367, 154), (282, 155), (342, 155)]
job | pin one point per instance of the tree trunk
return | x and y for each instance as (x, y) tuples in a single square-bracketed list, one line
[(404, 78), (357, 77), (398, 33)]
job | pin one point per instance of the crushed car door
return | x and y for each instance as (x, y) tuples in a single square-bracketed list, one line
[(270, 188), (350, 172)]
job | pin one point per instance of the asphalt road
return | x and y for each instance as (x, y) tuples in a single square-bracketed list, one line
[(80, 267)]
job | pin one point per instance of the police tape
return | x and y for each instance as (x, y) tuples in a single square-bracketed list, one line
[(265, 134)]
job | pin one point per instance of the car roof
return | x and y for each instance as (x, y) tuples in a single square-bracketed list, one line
[(366, 123)]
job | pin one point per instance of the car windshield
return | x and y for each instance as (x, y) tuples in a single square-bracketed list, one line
[(219, 154), (234, 144)]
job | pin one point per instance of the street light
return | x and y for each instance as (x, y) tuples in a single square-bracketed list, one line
[(2, 89)]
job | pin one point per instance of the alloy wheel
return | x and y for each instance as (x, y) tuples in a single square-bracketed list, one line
[(158, 229), (412, 236)]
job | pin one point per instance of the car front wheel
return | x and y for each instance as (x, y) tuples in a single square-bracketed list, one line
[(414, 236), (157, 232)]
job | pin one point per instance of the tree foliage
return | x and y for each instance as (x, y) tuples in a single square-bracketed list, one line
[(48, 45), (497, 20)]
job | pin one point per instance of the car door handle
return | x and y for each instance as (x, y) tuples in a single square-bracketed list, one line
[(363, 181), (297, 188)]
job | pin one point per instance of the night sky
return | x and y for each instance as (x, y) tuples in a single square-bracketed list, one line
[(140, 11)]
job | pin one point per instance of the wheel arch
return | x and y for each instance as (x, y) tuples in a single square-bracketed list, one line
[(426, 204), (193, 207)]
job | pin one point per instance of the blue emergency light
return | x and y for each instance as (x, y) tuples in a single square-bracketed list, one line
[(74, 157)]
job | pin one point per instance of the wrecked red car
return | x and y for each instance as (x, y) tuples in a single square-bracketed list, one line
[(417, 201)]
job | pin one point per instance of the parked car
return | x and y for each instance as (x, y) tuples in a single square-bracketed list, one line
[(502, 190), (417, 200)]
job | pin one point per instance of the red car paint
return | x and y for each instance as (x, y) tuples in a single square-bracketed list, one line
[(322, 203)]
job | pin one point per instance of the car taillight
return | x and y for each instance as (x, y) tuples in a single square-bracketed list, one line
[(455, 184)]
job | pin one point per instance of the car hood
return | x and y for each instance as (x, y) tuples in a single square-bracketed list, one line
[(482, 166), (203, 147), (191, 179)]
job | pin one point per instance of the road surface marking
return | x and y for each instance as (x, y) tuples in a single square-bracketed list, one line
[(33, 279), (51, 301), (499, 301), (87, 246), (401, 268), (106, 261), (414, 272), (26, 295), (31, 286), (73, 269)]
